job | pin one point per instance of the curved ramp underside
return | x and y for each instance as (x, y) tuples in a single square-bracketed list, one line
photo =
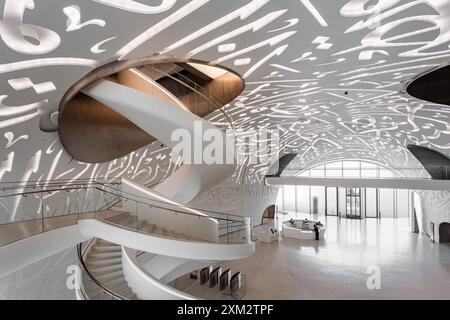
[(92, 132), (279, 166), (160, 119), (436, 163)]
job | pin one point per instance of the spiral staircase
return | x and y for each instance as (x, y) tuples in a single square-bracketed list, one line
[(117, 222)]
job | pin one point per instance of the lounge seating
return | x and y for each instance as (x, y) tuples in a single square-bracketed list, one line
[(303, 229)]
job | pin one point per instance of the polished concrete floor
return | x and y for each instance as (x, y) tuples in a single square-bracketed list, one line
[(410, 265)]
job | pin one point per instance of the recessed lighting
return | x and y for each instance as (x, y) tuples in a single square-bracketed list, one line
[(314, 13), (26, 83), (253, 26), (35, 63), (242, 62), (227, 47), (134, 6), (160, 26)]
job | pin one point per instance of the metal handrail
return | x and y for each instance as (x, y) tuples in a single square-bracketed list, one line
[(217, 103), (358, 168), (81, 186), (196, 88), (40, 181), (109, 205), (98, 283), (25, 193), (223, 218), (154, 183), (175, 205), (182, 211), (12, 185)]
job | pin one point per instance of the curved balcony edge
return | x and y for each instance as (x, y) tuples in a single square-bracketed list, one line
[(165, 246)]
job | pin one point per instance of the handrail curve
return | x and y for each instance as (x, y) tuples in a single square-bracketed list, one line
[(81, 255)]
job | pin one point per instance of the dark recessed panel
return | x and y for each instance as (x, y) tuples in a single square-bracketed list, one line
[(432, 87)]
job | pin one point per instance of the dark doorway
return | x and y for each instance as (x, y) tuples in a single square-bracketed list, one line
[(444, 232)]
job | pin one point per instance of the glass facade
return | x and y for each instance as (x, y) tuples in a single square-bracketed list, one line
[(356, 203)]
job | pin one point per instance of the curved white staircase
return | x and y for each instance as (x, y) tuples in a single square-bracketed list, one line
[(104, 262), (160, 118), (180, 239)]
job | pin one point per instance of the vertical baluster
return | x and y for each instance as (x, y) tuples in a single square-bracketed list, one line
[(137, 216), (42, 209)]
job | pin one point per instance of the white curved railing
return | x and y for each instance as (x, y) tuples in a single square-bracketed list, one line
[(163, 245), (93, 200), (25, 242), (144, 284)]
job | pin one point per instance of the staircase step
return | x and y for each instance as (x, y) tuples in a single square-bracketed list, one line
[(158, 231), (98, 293), (99, 273), (104, 262), (180, 236), (105, 255), (126, 292), (129, 222), (92, 261), (108, 276), (117, 216), (119, 287), (92, 292), (104, 249), (111, 284), (170, 234), (102, 296), (148, 228), (124, 220), (104, 243), (115, 283), (100, 270)]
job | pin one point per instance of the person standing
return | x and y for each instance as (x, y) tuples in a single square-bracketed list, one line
[(316, 230)]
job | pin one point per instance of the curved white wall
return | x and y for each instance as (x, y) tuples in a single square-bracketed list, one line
[(435, 210), (144, 285), (16, 255), (167, 268), (241, 199)]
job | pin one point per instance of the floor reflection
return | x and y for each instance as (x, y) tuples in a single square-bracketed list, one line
[(411, 266)]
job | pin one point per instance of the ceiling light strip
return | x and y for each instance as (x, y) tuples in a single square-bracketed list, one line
[(314, 12), (45, 62), (160, 26), (242, 13)]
